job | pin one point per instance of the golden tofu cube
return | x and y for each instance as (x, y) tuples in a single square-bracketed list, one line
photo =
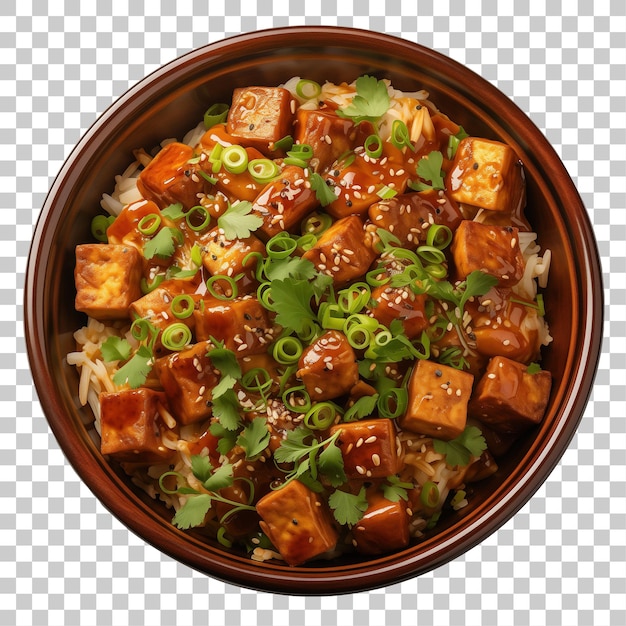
[(341, 251), (438, 398), (508, 398), (188, 378), (328, 367), (383, 528), (368, 448), (486, 174), (131, 426), (107, 279), (491, 249), (260, 116), (298, 522)]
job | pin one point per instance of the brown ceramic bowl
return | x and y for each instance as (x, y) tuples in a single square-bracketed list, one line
[(172, 100)]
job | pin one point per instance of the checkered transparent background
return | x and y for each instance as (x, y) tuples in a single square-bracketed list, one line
[(66, 561)]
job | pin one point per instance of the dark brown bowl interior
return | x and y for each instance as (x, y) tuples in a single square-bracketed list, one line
[(172, 100)]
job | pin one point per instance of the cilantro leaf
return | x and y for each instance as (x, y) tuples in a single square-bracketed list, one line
[(533, 368), (236, 221), (293, 447), (429, 168), (290, 268), (477, 284), (324, 193), (394, 489), (226, 438), (163, 244), (201, 467), (220, 478), (370, 102), (348, 508), (459, 451), (226, 409), (115, 349), (291, 299), (135, 371), (225, 361), (363, 407), (330, 463), (193, 512), (254, 438), (173, 211)]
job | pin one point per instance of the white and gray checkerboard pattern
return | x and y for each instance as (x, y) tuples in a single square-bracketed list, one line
[(66, 561)]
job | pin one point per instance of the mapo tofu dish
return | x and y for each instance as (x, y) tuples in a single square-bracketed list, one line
[(315, 322)]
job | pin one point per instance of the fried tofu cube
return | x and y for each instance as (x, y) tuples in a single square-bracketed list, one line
[(438, 398), (131, 426), (510, 399), (400, 303), (409, 216), (172, 177), (491, 249), (107, 279), (329, 135), (383, 528), (284, 202), (188, 378), (328, 367), (243, 324), (260, 116), (486, 174), (368, 448), (341, 251), (298, 522)]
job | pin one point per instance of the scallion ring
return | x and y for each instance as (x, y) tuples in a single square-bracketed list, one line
[(308, 89), (281, 245), (354, 298), (321, 416), (182, 306), (257, 379), (235, 159), (99, 225), (439, 236), (400, 136), (377, 277), (196, 254), (287, 350), (215, 114), (306, 242), (264, 295), (393, 402), (302, 151), (215, 158), (223, 294), (176, 336), (263, 171), (297, 399), (149, 224), (373, 146), (429, 495), (140, 329), (358, 336), (361, 319), (316, 224), (197, 218), (431, 255), (310, 330), (436, 270), (148, 286)]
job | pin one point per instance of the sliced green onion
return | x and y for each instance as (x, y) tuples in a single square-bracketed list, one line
[(361, 319), (206, 177), (431, 255), (176, 336), (197, 214), (182, 306), (287, 350), (215, 157), (345, 160), (331, 316), (358, 336), (429, 495), (310, 330), (400, 136), (308, 89), (454, 141), (284, 144), (316, 224), (297, 399), (301, 151), (222, 539), (405, 255), (196, 255), (229, 280), (235, 159), (306, 242), (386, 192), (140, 329), (436, 271), (458, 497), (439, 236), (147, 287), (257, 379), (149, 224), (383, 337), (281, 245), (298, 162), (377, 277), (373, 146), (99, 225), (321, 416), (263, 171), (354, 298), (264, 295), (215, 114), (393, 402)]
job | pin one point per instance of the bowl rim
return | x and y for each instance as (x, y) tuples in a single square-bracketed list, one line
[(332, 580)]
